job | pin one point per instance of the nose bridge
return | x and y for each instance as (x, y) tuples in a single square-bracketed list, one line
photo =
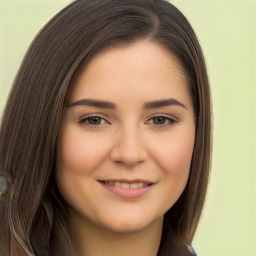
[(129, 147)]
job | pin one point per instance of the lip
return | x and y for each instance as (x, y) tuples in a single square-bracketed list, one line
[(125, 192)]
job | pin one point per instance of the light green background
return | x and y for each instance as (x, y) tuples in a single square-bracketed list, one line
[(227, 32)]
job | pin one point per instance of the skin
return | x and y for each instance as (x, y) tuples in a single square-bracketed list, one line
[(127, 142)]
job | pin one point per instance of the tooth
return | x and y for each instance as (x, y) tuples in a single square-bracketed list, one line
[(134, 185), (112, 183), (125, 185), (140, 185), (118, 184)]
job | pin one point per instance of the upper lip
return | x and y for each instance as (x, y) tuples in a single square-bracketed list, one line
[(147, 182)]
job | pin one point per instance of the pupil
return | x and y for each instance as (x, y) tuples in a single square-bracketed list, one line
[(159, 120), (94, 120)]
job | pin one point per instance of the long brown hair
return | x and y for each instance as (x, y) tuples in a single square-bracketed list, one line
[(33, 214)]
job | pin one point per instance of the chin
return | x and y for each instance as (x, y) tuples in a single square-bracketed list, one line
[(127, 228), (130, 225)]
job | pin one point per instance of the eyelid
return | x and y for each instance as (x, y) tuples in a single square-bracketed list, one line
[(171, 120), (82, 120)]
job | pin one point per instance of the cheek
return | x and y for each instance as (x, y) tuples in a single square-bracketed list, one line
[(174, 153), (181, 154), (79, 152), (173, 156), (78, 156)]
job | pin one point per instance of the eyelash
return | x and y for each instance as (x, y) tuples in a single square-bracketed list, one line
[(84, 121), (168, 121)]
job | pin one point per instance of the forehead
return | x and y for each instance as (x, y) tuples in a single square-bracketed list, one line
[(142, 68)]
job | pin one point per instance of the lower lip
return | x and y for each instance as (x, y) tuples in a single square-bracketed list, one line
[(128, 192)]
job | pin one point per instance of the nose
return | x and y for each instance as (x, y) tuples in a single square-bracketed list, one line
[(128, 148)]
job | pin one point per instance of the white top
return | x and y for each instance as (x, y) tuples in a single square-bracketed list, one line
[(192, 250)]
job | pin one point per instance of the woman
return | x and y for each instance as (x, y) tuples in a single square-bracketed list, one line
[(105, 140)]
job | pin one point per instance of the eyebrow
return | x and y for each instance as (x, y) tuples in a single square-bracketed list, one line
[(110, 105), (163, 103), (93, 103)]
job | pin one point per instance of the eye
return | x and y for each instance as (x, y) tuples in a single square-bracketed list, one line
[(93, 121), (162, 121)]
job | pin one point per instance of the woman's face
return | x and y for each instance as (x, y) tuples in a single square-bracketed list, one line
[(127, 138)]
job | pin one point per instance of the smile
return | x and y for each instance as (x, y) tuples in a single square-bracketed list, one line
[(126, 184), (127, 189)]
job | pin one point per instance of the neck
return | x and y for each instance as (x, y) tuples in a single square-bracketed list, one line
[(89, 239)]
